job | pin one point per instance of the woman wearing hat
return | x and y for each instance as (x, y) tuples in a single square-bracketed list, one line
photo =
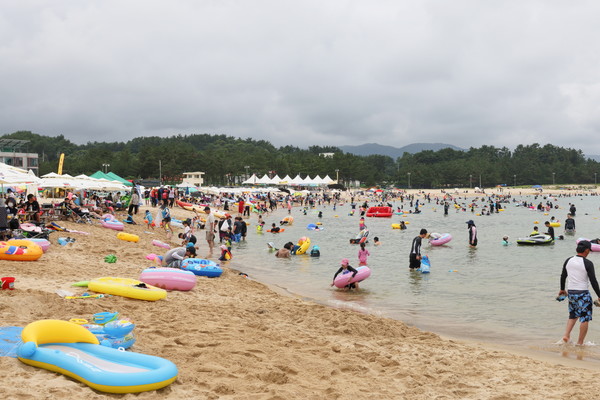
[(472, 233)]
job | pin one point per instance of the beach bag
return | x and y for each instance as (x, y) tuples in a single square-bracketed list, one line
[(225, 226)]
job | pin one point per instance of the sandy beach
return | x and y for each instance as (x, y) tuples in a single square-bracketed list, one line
[(235, 338)]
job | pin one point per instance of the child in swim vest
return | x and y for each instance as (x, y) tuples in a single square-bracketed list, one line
[(225, 254), (361, 224)]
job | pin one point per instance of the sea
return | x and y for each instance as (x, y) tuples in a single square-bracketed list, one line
[(492, 293)]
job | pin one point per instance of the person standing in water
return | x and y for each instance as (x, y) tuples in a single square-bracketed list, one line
[(414, 257), (472, 233), (363, 253), (581, 274), (569, 224)]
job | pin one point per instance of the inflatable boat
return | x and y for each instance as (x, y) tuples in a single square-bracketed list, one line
[(535, 240), (382, 212)]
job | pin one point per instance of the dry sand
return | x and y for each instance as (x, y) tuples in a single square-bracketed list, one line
[(234, 338)]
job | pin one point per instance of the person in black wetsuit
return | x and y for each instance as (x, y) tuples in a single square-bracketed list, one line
[(414, 257), (346, 268), (472, 233), (569, 224), (550, 230)]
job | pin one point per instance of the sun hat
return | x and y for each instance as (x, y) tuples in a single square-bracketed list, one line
[(470, 222), (345, 261)]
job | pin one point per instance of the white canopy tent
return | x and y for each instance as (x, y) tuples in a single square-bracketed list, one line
[(14, 175), (285, 181), (253, 180), (327, 180), (275, 180), (265, 180), (80, 182), (297, 180), (317, 180), (307, 181)]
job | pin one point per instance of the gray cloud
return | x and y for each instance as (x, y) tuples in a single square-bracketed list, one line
[(467, 73)]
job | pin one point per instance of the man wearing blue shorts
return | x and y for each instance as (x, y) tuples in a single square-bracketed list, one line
[(581, 274)]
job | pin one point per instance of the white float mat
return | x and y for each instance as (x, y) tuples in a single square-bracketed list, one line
[(94, 361)]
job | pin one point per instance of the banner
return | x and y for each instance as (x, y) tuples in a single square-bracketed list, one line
[(60, 163)]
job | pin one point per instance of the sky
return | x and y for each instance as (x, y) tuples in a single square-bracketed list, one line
[(303, 73)]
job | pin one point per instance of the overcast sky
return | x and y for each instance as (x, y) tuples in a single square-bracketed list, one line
[(333, 72)]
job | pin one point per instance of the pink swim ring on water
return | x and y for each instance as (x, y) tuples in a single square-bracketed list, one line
[(445, 238)]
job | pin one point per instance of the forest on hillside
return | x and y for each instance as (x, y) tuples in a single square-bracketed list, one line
[(227, 160)]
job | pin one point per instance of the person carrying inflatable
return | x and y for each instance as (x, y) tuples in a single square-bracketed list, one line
[(345, 268)]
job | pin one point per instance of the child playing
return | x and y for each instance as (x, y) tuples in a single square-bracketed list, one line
[(361, 224), (363, 253), (505, 241), (274, 228), (165, 215), (376, 241), (149, 220), (225, 254), (344, 269)]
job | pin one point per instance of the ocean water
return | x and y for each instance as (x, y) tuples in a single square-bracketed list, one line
[(493, 293)]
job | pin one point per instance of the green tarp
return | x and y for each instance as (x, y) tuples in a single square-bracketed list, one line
[(111, 176)]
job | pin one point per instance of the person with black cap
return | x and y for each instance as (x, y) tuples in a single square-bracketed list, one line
[(472, 233), (581, 274), (414, 258)]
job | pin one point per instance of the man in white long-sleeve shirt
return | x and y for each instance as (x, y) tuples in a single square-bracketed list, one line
[(581, 274)]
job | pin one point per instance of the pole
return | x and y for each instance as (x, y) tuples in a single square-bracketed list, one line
[(470, 181), (553, 178), (247, 166), (480, 181), (515, 176), (160, 171), (337, 176), (408, 173)]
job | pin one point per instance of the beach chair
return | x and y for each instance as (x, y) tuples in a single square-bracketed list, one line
[(82, 217), (32, 231)]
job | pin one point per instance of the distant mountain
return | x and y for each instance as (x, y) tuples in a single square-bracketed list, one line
[(394, 152)]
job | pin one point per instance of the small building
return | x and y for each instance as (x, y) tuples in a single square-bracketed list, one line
[(14, 152), (326, 155), (193, 178)]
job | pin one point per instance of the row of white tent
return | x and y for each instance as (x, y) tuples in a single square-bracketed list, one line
[(13, 176), (297, 181)]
